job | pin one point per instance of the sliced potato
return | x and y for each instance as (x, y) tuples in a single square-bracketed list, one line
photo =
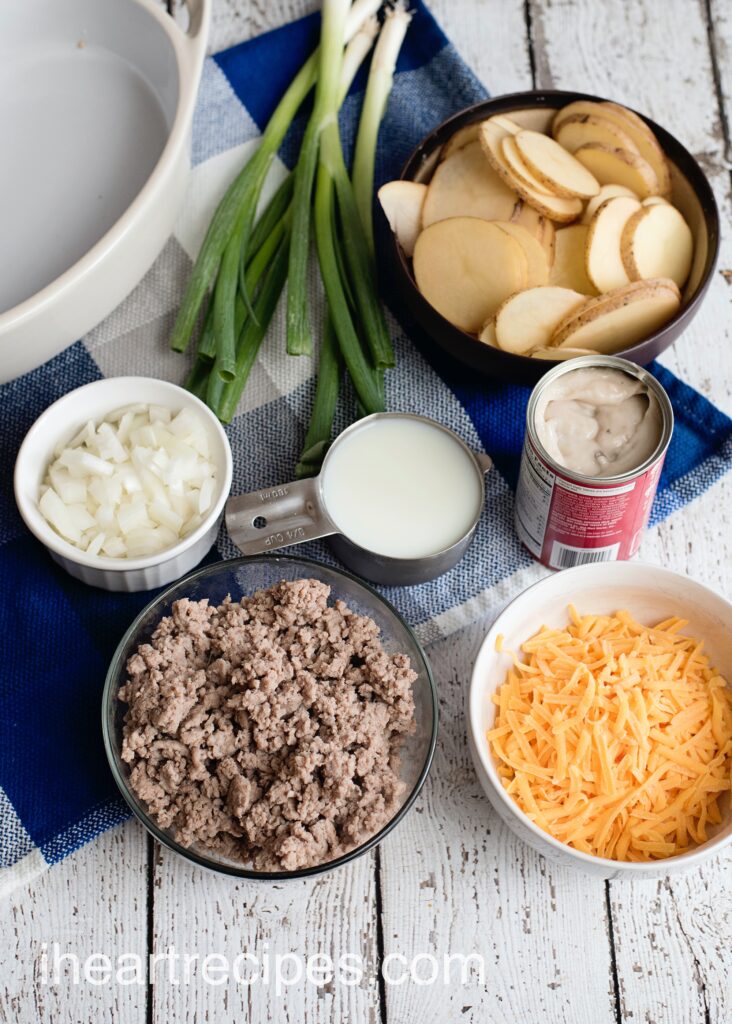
[(529, 319), (459, 139), (577, 108), (569, 269), (549, 240), (539, 119), (555, 168), (536, 255), (603, 259), (645, 140), (488, 333), (654, 201), (541, 227), (579, 129), (605, 193), (555, 207), (619, 167), (657, 242), (466, 267), (613, 322), (465, 185), (517, 169), (507, 123), (402, 203), (560, 353), (492, 137)]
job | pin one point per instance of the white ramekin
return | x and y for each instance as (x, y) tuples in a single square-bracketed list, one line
[(61, 421), (651, 594), (145, 37)]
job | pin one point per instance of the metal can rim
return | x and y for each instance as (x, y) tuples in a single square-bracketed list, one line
[(613, 363)]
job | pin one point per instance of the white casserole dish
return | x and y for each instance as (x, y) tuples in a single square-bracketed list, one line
[(96, 105), (60, 422), (651, 594)]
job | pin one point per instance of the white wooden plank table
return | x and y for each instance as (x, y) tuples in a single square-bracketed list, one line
[(557, 947)]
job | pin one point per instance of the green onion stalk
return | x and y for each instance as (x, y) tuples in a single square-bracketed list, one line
[(378, 89), (332, 33), (237, 209), (263, 243), (351, 248)]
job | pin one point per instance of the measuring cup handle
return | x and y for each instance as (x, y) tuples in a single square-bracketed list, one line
[(276, 517)]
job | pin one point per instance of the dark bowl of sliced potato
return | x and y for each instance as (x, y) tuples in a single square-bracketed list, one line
[(539, 226)]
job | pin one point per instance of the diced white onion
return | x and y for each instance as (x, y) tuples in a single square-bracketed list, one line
[(132, 485)]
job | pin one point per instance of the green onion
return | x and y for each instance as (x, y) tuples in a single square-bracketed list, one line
[(224, 304), (243, 192), (332, 32), (318, 434), (272, 215), (206, 349), (197, 379), (264, 255), (378, 88), (361, 270), (356, 53), (362, 374), (253, 333)]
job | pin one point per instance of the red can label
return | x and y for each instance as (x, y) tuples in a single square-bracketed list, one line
[(564, 523)]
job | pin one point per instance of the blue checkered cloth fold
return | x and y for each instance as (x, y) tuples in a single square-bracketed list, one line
[(58, 636)]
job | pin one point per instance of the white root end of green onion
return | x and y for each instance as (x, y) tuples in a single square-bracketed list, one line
[(356, 53), (359, 13)]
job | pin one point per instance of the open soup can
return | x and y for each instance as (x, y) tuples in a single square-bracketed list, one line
[(399, 497), (597, 431)]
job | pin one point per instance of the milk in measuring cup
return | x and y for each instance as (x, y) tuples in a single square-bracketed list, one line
[(401, 488)]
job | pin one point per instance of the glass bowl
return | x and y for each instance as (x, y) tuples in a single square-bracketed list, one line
[(243, 576)]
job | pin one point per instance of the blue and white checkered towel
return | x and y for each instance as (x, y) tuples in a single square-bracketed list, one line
[(58, 636)]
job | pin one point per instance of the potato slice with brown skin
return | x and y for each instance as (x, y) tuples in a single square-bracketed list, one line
[(657, 242), (459, 139), (560, 353), (575, 109), (466, 267), (569, 269), (465, 185), (507, 123), (613, 322), (619, 167), (556, 169), (529, 319), (488, 334), (645, 140), (555, 207), (605, 193), (576, 131), (402, 203), (517, 168), (541, 227), (629, 122), (654, 201), (536, 257), (549, 240), (603, 259)]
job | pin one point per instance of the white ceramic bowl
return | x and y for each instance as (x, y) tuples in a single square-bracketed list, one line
[(651, 594), (97, 97), (61, 421)]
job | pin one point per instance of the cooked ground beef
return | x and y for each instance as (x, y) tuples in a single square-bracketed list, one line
[(269, 728)]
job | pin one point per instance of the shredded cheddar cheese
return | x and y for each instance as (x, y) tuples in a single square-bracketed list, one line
[(615, 738)]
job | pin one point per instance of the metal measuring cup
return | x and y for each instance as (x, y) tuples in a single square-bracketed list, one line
[(276, 517)]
